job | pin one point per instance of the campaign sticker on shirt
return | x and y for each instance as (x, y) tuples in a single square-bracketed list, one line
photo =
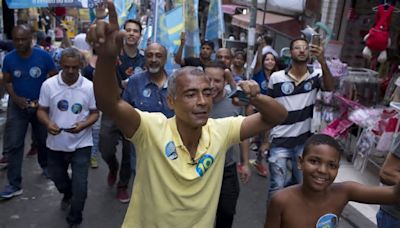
[(62, 105), (35, 72), (17, 73), (170, 150), (307, 86), (138, 70), (76, 108), (328, 221), (204, 164), (287, 88), (264, 85), (147, 92)]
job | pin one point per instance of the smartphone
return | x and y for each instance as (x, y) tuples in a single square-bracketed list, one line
[(238, 92), (316, 39), (67, 129)]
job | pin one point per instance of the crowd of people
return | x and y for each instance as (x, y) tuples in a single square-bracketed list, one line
[(179, 131)]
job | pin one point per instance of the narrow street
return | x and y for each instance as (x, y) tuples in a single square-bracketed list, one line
[(39, 205)]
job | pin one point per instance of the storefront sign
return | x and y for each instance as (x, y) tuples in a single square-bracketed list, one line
[(21, 4)]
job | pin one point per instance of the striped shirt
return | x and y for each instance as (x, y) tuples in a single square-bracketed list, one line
[(299, 101)]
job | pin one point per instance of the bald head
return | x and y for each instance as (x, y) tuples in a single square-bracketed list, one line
[(224, 55), (24, 28), (156, 46), (22, 39)]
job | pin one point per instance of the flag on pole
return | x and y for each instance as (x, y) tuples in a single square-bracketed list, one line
[(215, 22), (190, 11), (174, 26), (123, 8), (132, 12)]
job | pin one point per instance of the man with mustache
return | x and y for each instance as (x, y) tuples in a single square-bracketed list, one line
[(295, 88)]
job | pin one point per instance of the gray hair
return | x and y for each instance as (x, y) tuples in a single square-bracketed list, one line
[(196, 71), (72, 53)]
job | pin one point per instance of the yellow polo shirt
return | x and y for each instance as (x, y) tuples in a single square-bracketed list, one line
[(169, 189)]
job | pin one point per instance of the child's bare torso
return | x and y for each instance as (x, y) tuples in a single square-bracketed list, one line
[(306, 212)]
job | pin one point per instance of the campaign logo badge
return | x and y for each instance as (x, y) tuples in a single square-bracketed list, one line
[(170, 150), (138, 70), (307, 86), (204, 164), (17, 73), (35, 72), (147, 92), (62, 105), (76, 108), (287, 88), (328, 221), (264, 85)]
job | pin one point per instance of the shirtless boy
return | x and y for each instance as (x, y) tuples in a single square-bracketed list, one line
[(318, 202)]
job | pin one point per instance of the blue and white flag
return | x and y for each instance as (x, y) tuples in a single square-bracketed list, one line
[(215, 22), (174, 25), (192, 45), (123, 8)]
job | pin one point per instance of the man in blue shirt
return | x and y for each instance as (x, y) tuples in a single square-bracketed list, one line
[(147, 91), (24, 69)]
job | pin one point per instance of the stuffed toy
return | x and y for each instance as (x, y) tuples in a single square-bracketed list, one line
[(378, 37)]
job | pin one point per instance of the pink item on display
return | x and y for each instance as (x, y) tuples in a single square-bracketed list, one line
[(338, 127)]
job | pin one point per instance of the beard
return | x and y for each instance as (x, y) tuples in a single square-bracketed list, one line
[(299, 60)]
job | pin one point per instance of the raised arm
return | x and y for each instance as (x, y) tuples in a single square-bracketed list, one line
[(107, 40), (178, 55), (259, 64), (270, 112), (328, 81), (372, 194)]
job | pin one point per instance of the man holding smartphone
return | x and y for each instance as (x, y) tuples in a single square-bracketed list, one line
[(295, 88), (68, 109)]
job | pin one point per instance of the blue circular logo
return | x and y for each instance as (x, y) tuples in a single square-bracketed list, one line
[(76, 108), (35, 72), (62, 105), (307, 86), (264, 85), (17, 73), (147, 92), (170, 150), (138, 70), (328, 221), (287, 88)]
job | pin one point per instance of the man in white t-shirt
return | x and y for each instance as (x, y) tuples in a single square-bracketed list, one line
[(68, 109)]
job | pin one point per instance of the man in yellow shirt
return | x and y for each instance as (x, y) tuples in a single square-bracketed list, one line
[(180, 160)]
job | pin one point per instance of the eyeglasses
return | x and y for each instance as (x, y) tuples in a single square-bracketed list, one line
[(301, 47)]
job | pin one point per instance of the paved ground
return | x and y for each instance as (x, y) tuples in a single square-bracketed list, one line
[(38, 207)]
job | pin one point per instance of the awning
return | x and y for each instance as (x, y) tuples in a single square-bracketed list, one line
[(231, 8), (286, 25)]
